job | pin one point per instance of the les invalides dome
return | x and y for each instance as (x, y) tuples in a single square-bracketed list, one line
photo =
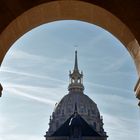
[(76, 116)]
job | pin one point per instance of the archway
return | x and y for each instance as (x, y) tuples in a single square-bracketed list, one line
[(97, 64), (76, 10)]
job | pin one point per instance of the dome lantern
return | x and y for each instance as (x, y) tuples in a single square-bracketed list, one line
[(76, 78)]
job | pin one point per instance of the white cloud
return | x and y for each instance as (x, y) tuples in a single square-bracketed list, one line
[(6, 123), (116, 103), (14, 90), (17, 54), (21, 137), (121, 128), (108, 87), (29, 74), (116, 65)]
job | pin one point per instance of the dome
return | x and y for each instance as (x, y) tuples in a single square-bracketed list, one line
[(85, 108), (76, 99)]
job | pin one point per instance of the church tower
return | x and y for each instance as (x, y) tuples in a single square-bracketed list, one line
[(76, 116)]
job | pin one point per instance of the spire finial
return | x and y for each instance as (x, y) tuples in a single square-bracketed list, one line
[(76, 46), (76, 62)]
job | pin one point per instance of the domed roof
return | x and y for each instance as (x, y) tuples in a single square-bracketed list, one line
[(85, 107)]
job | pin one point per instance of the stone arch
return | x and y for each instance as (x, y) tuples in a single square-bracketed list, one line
[(70, 10)]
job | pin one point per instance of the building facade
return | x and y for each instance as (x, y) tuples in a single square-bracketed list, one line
[(76, 116)]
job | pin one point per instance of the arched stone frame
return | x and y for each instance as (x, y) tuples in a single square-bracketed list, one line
[(70, 10)]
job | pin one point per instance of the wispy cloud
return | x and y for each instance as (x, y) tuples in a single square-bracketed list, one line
[(117, 64), (6, 121), (37, 94), (38, 99), (21, 137), (21, 73), (114, 97), (18, 55), (128, 127), (108, 87)]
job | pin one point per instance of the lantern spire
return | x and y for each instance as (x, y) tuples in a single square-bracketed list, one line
[(76, 78)]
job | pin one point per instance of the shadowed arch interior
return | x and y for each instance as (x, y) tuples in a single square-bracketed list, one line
[(70, 10)]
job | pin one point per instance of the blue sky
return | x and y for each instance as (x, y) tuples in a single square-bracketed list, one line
[(35, 71)]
